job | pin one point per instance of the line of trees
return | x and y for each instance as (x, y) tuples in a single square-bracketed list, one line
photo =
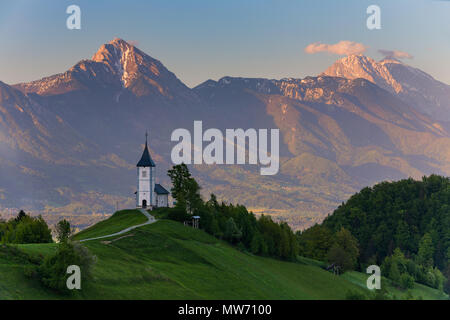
[(27, 229), (232, 223)]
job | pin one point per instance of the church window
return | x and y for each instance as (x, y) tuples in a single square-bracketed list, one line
[(144, 174)]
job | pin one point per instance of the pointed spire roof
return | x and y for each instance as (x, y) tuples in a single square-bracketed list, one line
[(146, 159)]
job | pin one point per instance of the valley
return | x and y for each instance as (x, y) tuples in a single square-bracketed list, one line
[(69, 142)]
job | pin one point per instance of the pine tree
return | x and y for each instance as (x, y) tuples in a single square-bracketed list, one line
[(22, 215)]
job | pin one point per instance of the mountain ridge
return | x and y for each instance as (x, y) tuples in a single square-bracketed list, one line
[(414, 86), (337, 135)]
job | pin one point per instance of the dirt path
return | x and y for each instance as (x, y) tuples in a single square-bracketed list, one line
[(151, 220)]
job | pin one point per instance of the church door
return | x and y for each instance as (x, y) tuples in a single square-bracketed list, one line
[(144, 204)]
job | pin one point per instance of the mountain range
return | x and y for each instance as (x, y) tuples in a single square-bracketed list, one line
[(69, 143)]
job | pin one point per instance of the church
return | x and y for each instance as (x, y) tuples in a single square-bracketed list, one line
[(149, 195)]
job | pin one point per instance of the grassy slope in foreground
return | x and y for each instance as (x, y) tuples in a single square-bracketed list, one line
[(167, 260)]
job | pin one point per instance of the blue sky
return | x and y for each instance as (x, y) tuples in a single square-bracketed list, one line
[(208, 39)]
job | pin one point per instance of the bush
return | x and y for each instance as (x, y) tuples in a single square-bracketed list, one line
[(344, 253), (53, 271), (341, 258)]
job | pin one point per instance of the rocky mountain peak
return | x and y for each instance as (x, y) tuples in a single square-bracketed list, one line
[(136, 70), (122, 58), (116, 63), (360, 66)]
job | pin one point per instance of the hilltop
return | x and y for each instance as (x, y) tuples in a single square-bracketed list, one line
[(167, 260)]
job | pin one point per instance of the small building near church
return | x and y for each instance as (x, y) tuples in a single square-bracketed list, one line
[(149, 194), (162, 196)]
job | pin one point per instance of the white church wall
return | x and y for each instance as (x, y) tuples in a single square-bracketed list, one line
[(162, 200), (152, 186), (144, 192)]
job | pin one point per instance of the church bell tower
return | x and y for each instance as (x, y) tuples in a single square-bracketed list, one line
[(145, 196)]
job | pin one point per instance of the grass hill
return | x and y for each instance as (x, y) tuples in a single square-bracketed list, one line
[(166, 260)]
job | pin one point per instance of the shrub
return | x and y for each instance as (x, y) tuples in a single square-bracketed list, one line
[(53, 271)]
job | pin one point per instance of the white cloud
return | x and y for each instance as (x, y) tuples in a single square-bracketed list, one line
[(344, 47), (395, 54)]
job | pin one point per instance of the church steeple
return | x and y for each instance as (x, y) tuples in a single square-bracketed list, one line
[(146, 159)]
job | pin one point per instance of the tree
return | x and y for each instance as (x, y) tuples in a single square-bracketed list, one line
[(447, 283), (215, 229), (31, 230), (256, 245), (3, 229), (53, 271), (426, 250), (339, 257), (403, 236), (212, 202), (22, 215), (348, 245), (232, 233), (394, 274), (178, 214), (184, 188), (63, 230), (315, 242), (406, 281)]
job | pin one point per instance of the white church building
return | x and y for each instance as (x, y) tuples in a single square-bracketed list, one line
[(149, 195)]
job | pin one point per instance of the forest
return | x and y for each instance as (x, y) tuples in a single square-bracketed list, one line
[(402, 226)]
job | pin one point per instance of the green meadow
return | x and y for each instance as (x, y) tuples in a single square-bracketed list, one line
[(167, 260)]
